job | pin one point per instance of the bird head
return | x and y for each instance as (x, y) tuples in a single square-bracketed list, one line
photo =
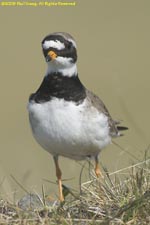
[(60, 53)]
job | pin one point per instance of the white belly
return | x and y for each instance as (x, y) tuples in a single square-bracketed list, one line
[(67, 129)]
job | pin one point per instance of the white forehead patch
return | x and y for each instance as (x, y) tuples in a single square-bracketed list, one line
[(53, 44)]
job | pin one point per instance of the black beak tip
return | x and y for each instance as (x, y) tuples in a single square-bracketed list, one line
[(48, 58)]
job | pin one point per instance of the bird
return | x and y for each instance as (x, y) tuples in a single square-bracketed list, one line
[(66, 118)]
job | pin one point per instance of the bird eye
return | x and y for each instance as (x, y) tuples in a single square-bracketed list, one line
[(69, 45)]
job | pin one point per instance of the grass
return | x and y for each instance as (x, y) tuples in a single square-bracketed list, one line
[(120, 198)]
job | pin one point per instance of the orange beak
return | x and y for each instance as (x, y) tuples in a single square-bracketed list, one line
[(51, 56)]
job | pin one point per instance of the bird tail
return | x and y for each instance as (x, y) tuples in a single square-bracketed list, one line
[(120, 128)]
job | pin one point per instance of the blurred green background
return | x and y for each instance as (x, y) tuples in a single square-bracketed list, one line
[(113, 39)]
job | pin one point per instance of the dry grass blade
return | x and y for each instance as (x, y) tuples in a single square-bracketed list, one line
[(112, 201)]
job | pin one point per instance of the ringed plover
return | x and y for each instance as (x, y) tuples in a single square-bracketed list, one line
[(66, 118)]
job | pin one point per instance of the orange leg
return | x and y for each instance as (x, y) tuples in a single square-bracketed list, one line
[(97, 168), (59, 174)]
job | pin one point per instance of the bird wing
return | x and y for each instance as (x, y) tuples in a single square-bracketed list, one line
[(99, 105)]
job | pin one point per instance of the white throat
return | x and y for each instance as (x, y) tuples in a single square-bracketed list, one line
[(68, 70)]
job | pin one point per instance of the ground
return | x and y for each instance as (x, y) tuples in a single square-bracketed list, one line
[(111, 200)]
